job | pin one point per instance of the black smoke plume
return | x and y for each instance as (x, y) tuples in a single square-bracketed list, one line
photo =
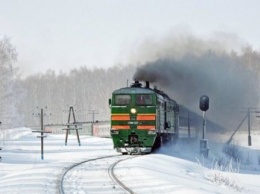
[(223, 77)]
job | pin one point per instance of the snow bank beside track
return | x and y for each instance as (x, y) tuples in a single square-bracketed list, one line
[(10, 134)]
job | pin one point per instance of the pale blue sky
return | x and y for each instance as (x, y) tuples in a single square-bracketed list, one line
[(65, 34)]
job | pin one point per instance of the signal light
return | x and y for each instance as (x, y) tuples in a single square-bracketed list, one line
[(204, 103), (133, 110)]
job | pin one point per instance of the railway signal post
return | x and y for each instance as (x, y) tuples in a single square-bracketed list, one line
[(204, 106)]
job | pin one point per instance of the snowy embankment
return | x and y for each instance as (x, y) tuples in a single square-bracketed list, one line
[(10, 134), (172, 169)]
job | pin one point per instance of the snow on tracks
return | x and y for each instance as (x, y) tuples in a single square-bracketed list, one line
[(94, 176)]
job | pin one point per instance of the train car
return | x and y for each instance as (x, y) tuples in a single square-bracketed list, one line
[(142, 119)]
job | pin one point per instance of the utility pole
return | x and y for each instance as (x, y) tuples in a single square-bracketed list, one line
[(69, 125), (0, 147), (248, 117), (231, 138), (249, 111), (93, 112), (42, 136), (249, 132)]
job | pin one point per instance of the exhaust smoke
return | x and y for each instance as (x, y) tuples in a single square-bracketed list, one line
[(224, 77)]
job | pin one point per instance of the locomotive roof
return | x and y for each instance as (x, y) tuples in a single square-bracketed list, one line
[(142, 90), (134, 90)]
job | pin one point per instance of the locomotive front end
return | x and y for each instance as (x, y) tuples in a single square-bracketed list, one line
[(133, 119)]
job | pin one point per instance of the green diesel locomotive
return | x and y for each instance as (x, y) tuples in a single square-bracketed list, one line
[(142, 119)]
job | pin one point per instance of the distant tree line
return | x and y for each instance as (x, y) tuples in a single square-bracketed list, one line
[(84, 89)]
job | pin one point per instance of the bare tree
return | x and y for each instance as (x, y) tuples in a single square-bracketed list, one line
[(8, 93)]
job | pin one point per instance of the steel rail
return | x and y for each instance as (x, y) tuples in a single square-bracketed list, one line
[(61, 189), (115, 179)]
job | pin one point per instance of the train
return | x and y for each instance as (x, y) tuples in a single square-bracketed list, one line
[(142, 118)]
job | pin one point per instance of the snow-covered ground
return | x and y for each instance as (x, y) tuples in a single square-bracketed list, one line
[(172, 169)]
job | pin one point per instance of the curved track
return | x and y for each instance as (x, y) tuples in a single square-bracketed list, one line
[(116, 180), (93, 175)]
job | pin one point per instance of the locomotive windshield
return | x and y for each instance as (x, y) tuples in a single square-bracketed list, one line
[(144, 99), (122, 99)]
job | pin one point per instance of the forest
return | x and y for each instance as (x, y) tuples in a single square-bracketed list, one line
[(184, 70)]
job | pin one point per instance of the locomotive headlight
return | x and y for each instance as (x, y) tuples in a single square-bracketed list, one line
[(133, 110)]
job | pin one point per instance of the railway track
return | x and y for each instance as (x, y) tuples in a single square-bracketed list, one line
[(94, 176), (116, 180)]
